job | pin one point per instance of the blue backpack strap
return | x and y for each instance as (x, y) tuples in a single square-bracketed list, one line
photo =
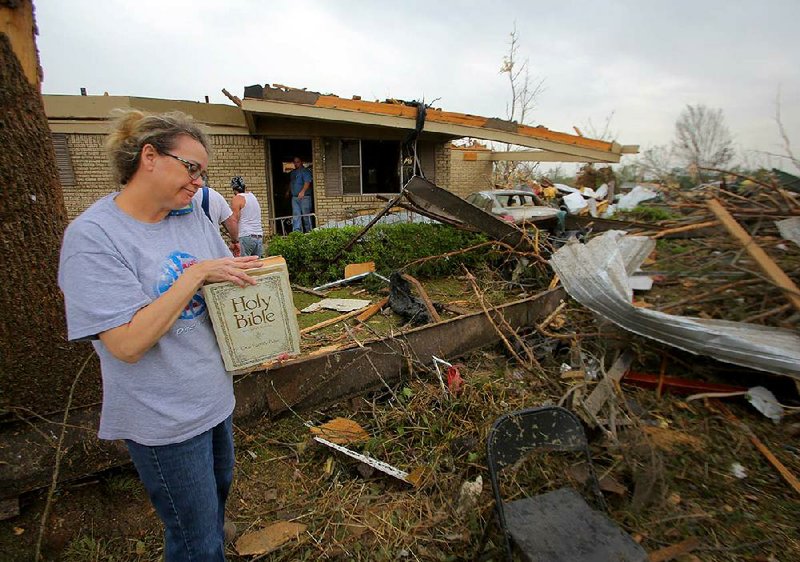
[(204, 203)]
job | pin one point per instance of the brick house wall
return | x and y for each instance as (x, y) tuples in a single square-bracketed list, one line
[(232, 155), (469, 174)]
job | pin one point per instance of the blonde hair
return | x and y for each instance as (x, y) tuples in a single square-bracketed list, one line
[(132, 129)]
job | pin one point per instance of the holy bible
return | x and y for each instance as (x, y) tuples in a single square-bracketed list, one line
[(256, 323)]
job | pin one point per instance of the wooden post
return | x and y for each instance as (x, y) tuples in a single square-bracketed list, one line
[(17, 23), (767, 265)]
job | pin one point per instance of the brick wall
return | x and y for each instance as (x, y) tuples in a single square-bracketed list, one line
[(232, 155), (468, 176), (92, 173), (240, 155)]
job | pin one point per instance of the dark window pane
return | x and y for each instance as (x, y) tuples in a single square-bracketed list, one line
[(380, 166), (351, 180), (350, 153)]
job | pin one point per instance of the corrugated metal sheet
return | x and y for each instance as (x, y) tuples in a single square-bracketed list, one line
[(595, 275)]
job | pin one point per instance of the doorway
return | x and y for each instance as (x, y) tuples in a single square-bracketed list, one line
[(282, 153)]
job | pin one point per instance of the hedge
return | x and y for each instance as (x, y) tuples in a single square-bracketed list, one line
[(309, 256)]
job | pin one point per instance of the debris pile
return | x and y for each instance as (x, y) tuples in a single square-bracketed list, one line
[(673, 337)]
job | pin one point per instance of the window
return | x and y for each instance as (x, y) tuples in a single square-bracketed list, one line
[(370, 166), (63, 160)]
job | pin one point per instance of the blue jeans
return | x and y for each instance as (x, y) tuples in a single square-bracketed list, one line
[(251, 246), (188, 484), (302, 207)]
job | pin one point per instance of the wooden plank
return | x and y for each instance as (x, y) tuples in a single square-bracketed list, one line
[(787, 475), (767, 265), (16, 22), (606, 387), (686, 228), (425, 298), (372, 310), (353, 269)]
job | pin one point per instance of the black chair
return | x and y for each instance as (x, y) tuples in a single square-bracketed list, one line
[(559, 525)]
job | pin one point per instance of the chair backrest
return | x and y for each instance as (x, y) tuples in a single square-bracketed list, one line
[(515, 435)]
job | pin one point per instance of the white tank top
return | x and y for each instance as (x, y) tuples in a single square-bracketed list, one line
[(250, 217)]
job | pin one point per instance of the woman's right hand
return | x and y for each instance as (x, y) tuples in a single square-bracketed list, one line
[(226, 269)]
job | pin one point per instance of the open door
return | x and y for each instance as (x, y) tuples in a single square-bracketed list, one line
[(282, 153)]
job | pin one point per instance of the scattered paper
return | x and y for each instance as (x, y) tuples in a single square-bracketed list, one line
[(339, 305), (469, 495), (738, 471), (637, 195), (574, 202), (765, 402)]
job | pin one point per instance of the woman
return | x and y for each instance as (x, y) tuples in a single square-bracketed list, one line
[(131, 269)]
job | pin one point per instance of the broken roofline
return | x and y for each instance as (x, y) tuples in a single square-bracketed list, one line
[(289, 102)]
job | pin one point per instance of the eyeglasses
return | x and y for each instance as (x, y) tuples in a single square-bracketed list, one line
[(194, 169)]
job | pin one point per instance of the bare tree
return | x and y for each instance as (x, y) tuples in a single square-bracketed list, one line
[(524, 91), (656, 162), (702, 140), (605, 132), (787, 145)]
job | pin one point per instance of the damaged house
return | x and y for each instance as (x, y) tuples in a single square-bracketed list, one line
[(352, 146)]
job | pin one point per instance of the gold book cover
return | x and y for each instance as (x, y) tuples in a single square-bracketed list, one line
[(256, 323)]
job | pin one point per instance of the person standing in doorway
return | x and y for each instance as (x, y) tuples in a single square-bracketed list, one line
[(302, 193), (247, 213)]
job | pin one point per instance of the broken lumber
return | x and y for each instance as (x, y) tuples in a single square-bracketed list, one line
[(424, 296), (686, 228), (787, 474), (606, 387), (372, 310), (332, 321), (308, 291), (767, 265), (353, 269)]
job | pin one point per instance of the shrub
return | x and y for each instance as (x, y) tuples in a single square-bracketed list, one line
[(309, 256)]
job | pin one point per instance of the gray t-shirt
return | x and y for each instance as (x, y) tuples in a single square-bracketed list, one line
[(111, 266)]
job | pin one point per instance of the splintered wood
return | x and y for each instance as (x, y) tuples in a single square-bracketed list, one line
[(767, 265)]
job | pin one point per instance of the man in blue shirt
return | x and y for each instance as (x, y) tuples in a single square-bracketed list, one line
[(302, 196)]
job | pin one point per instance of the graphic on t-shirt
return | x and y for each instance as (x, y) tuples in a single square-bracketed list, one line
[(172, 268)]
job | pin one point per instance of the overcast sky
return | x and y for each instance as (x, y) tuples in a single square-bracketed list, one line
[(642, 60)]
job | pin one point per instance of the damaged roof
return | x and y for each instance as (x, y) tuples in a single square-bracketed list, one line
[(279, 100)]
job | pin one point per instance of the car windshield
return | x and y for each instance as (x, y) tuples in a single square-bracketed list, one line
[(516, 200)]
